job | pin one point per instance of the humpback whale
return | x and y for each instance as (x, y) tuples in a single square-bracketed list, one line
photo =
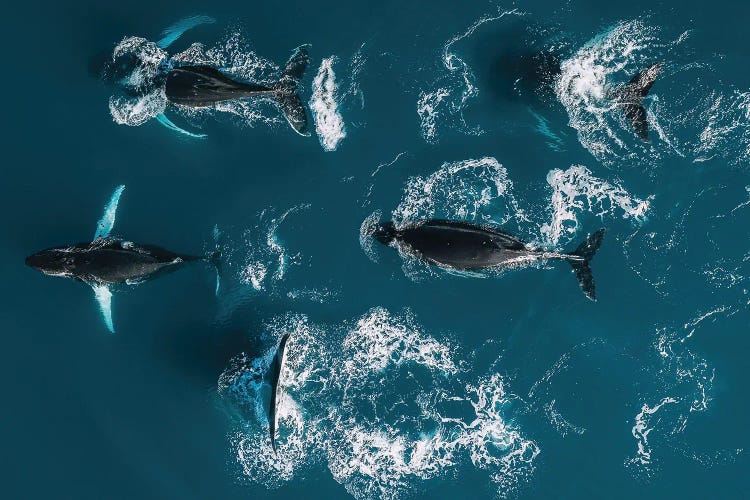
[(274, 371), (470, 247), (630, 97), (202, 86), (106, 262), (199, 85)]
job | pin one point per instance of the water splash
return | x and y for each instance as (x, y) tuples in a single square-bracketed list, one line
[(324, 104), (469, 190), (575, 191), (338, 410)]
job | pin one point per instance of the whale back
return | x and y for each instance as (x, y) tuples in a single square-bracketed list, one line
[(116, 261), (201, 86), (461, 245)]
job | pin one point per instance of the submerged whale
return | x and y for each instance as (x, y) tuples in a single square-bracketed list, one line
[(274, 373), (107, 262), (471, 247), (630, 97)]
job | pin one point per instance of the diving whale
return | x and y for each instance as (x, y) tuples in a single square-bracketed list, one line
[(470, 247), (274, 371), (630, 97), (106, 262)]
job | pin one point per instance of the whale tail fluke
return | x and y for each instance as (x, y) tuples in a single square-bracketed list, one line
[(580, 260), (631, 98), (287, 91)]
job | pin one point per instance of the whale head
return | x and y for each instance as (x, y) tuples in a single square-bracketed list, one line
[(53, 262), (385, 233)]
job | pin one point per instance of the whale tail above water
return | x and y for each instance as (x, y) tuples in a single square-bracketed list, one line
[(287, 94), (580, 259), (631, 95)]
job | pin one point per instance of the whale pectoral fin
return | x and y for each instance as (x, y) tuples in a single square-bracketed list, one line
[(275, 368), (104, 298), (172, 33), (107, 222), (171, 126)]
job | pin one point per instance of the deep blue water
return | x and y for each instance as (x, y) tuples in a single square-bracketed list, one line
[(400, 380)]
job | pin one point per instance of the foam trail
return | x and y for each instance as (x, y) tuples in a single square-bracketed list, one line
[(641, 430), (462, 190), (107, 222), (135, 111), (337, 410), (329, 124), (577, 190), (452, 91)]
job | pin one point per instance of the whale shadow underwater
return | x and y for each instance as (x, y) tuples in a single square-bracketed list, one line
[(456, 245), (107, 262)]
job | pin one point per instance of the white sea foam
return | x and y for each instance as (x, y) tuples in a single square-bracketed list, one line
[(232, 56), (701, 119), (470, 190), (641, 431), (428, 109), (585, 83), (338, 408), (443, 104), (255, 260), (576, 190), (324, 104), (684, 387), (563, 426)]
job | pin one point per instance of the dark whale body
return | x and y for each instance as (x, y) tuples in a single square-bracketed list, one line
[(201, 86), (471, 247), (274, 373), (109, 261)]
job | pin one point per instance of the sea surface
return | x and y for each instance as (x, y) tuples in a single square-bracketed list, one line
[(400, 380)]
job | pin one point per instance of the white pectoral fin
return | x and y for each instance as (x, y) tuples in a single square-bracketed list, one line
[(104, 298), (175, 31), (161, 118), (107, 222)]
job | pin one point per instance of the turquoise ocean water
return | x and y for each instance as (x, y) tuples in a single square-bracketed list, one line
[(400, 380)]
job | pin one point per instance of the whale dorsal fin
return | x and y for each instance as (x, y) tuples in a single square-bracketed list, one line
[(104, 298), (161, 118), (175, 31), (107, 222)]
